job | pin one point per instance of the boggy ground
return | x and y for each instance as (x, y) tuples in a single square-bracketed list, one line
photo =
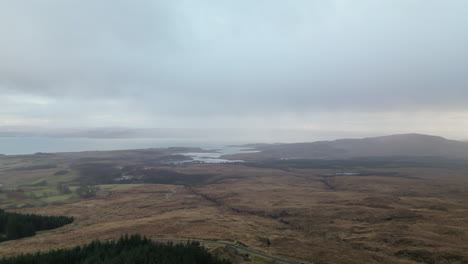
[(299, 214)]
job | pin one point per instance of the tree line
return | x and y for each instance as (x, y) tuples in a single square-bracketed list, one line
[(14, 225), (126, 250)]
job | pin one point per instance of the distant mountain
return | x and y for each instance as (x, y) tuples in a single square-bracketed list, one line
[(410, 145)]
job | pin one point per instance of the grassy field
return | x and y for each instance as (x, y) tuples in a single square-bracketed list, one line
[(31, 180)]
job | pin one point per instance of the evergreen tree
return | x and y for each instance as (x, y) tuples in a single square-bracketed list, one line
[(126, 250), (14, 225)]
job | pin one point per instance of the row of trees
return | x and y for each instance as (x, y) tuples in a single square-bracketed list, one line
[(128, 249), (14, 225), (84, 190), (87, 191), (63, 188)]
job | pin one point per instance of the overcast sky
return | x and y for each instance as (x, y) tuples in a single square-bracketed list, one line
[(359, 66)]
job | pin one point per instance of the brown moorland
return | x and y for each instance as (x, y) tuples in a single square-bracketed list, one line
[(387, 215)]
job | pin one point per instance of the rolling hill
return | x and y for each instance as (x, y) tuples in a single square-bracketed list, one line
[(408, 145)]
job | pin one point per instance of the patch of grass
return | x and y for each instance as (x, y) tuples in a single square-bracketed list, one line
[(59, 199), (37, 167), (43, 192), (53, 179), (39, 182), (35, 196)]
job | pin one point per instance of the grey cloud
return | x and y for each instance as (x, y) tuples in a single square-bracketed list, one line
[(189, 58)]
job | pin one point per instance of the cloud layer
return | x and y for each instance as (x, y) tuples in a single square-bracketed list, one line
[(278, 64)]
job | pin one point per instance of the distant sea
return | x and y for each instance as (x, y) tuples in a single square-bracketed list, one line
[(30, 145)]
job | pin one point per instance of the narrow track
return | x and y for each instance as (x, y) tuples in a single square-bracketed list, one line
[(93, 218)]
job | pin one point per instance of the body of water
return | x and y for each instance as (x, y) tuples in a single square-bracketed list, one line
[(29, 145), (214, 157)]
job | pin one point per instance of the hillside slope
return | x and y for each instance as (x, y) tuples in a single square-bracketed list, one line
[(411, 145)]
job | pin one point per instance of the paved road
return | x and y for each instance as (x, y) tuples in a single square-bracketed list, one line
[(241, 248)]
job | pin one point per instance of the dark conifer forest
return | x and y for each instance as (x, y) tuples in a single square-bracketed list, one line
[(128, 249), (14, 225)]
